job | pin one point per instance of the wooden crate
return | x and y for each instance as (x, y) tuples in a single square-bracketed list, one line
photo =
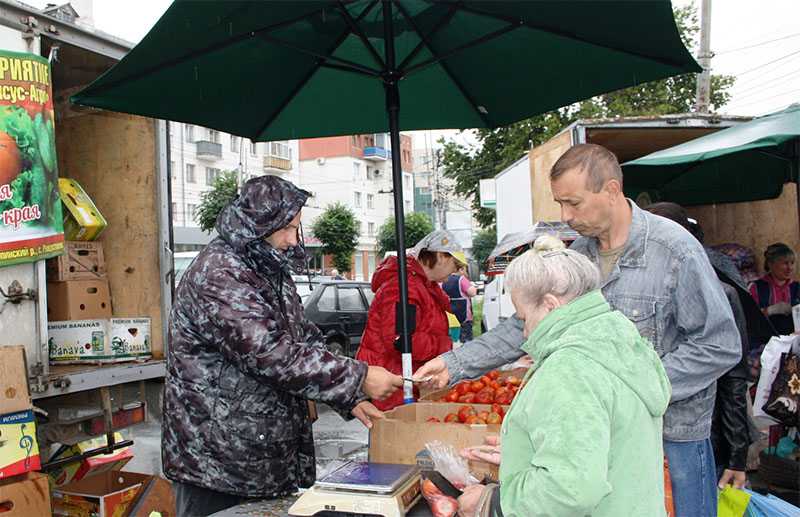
[(25, 495), (14, 392), (83, 261)]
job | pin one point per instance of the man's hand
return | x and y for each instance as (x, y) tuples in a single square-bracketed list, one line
[(489, 453), (736, 478), (779, 308), (437, 368), (380, 383), (365, 411), (468, 501)]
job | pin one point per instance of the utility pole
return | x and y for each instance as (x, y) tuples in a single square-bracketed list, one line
[(704, 59)]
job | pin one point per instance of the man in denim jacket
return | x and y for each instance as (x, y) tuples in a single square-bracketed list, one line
[(656, 274)]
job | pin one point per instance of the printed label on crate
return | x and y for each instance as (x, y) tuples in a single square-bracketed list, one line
[(20, 450), (130, 337), (79, 340)]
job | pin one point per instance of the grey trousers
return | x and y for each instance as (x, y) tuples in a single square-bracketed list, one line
[(194, 501)]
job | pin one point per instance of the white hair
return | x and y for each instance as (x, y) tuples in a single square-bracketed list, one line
[(549, 268)]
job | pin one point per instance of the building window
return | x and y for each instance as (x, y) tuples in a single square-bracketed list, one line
[(357, 199), (356, 171), (370, 200), (190, 173), (191, 211), (406, 181), (370, 173), (174, 212), (279, 150), (189, 135), (253, 148), (172, 170), (234, 143), (213, 136), (424, 191), (211, 175), (354, 140), (408, 206), (370, 229)]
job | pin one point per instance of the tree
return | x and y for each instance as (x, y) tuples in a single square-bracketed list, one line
[(417, 225), (225, 186), (338, 230), (482, 246), (499, 148)]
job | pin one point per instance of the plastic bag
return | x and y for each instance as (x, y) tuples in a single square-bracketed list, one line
[(770, 363), (732, 502), (441, 505), (450, 464)]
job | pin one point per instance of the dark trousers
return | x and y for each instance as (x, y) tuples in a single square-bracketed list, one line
[(466, 331), (194, 501)]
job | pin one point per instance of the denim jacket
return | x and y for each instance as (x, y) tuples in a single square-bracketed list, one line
[(664, 283)]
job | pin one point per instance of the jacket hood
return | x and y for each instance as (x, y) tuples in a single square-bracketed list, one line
[(588, 325), (265, 204)]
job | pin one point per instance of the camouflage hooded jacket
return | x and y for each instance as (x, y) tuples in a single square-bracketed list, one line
[(243, 358)]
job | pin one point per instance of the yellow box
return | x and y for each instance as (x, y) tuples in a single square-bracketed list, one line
[(82, 220), (20, 449), (89, 466)]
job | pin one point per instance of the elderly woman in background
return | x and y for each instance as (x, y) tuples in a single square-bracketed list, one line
[(583, 436), (776, 292)]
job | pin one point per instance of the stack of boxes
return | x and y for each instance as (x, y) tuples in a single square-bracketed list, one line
[(23, 491), (80, 326)]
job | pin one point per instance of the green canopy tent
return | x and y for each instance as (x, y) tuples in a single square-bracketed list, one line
[(276, 69), (747, 162)]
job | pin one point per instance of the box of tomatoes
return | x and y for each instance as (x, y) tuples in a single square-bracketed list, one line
[(402, 435), (483, 390)]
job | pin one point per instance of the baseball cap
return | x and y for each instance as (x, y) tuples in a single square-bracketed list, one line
[(441, 240)]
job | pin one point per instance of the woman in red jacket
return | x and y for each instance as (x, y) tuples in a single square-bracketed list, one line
[(434, 259)]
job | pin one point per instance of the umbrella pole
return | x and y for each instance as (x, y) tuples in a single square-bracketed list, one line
[(390, 80)]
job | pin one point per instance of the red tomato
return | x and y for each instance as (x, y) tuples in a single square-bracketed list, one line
[(514, 389), (502, 398), (485, 380), (497, 408), (492, 374), (476, 386), (473, 419), (483, 397), (463, 387), (441, 399), (500, 390), (494, 418), (483, 415), (433, 419), (445, 505), (494, 385), (469, 398), (465, 412), (513, 380), (452, 396), (452, 417)]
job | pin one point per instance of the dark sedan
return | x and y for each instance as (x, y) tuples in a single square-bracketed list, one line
[(339, 308)]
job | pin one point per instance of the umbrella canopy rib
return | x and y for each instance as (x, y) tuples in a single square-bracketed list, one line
[(574, 37), (425, 38), (345, 64), (355, 29)]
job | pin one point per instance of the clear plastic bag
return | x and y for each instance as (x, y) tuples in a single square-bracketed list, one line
[(450, 464)]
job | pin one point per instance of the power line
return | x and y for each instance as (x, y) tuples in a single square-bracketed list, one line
[(766, 64), (756, 44)]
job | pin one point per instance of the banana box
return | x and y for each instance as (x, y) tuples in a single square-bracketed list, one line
[(100, 463), (82, 219)]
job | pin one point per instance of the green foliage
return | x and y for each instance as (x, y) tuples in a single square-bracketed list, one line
[(499, 148), (417, 225), (482, 246), (211, 201), (338, 230)]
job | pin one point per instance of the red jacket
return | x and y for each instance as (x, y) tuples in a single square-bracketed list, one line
[(432, 335)]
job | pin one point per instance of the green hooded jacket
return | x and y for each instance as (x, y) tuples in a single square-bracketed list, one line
[(583, 437)]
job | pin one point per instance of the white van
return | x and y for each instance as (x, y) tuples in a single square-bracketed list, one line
[(497, 306)]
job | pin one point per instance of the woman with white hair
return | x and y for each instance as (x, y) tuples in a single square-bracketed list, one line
[(583, 435)]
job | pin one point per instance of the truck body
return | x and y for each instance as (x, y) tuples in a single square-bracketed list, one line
[(522, 190), (121, 162)]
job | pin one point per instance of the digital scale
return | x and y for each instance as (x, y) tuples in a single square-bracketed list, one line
[(362, 487)]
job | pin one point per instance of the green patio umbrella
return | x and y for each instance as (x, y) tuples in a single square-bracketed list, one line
[(276, 69), (746, 162)]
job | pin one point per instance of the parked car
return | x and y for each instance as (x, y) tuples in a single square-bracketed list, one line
[(305, 284), (339, 308), (181, 261)]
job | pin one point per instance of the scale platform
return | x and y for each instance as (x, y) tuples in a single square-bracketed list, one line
[(362, 487)]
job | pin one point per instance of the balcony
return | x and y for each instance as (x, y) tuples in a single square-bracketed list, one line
[(274, 164), (209, 150), (377, 154)]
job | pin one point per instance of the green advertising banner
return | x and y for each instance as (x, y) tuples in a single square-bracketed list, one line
[(31, 227)]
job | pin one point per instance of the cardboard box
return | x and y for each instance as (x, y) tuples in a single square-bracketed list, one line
[(155, 496), (25, 495), (402, 435), (99, 340), (103, 495), (88, 466), (20, 450), (14, 390), (83, 261), (519, 373), (78, 300), (82, 220)]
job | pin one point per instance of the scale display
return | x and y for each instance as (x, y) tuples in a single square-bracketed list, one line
[(367, 477)]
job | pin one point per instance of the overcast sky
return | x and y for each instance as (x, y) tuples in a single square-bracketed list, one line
[(756, 41)]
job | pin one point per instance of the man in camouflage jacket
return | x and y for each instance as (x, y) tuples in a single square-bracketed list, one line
[(243, 361)]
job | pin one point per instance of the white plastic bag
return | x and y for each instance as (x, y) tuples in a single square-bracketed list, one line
[(770, 363), (450, 464)]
